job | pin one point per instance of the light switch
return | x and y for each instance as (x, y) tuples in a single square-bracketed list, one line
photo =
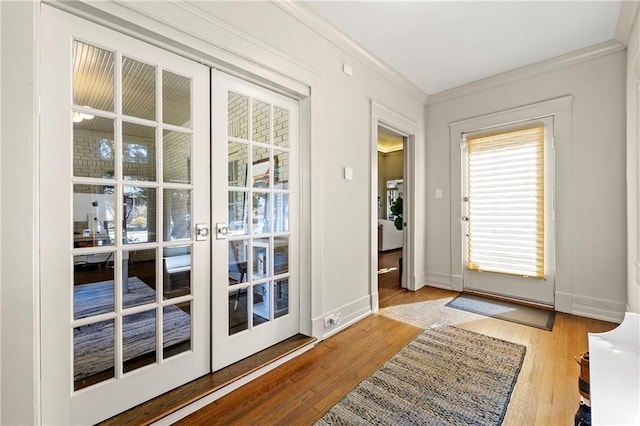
[(439, 193), (348, 173)]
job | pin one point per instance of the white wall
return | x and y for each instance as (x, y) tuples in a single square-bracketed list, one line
[(341, 123), (590, 179), (633, 163), (393, 164), (381, 210), (390, 166), (1, 85), (18, 316), (272, 43), (345, 140)]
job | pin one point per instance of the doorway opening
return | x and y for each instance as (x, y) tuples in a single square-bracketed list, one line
[(385, 121), (390, 212)]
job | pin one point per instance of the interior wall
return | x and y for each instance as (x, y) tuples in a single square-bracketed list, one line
[(1, 85), (633, 166), (381, 196), (590, 181), (267, 41), (390, 166), (18, 246), (345, 104)]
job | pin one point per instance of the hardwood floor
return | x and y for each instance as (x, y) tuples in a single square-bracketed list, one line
[(157, 408), (299, 392), (388, 274)]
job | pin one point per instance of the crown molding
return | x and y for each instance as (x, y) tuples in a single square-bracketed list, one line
[(626, 17), (195, 9), (390, 150), (563, 61), (323, 28)]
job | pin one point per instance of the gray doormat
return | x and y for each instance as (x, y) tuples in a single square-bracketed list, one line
[(526, 315)]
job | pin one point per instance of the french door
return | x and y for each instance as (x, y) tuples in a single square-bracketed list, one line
[(124, 190), (508, 211), (255, 185), (140, 150)]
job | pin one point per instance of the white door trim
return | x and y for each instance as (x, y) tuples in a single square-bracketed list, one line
[(381, 115)]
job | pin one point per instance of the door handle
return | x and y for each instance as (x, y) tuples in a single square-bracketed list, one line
[(222, 230), (202, 232)]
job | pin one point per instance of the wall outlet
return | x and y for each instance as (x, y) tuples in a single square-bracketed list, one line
[(332, 320), (327, 322)]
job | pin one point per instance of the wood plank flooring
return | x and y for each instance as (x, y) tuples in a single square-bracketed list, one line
[(153, 410), (299, 392)]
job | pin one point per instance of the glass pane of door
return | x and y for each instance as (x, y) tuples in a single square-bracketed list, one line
[(251, 258), (117, 283)]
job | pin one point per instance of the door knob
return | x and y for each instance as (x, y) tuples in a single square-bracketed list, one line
[(202, 232), (222, 230)]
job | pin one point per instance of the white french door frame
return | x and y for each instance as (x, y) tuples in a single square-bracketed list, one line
[(408, 129), (560, 110)]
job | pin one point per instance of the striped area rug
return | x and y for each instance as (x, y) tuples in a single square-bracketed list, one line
[(94, 344), (446, 376)]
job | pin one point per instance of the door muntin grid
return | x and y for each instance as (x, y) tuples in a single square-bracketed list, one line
[(132, 197), (258, 193)]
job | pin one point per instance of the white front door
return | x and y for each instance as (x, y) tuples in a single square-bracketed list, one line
[(508, 211), (256, 207), (124, 184)]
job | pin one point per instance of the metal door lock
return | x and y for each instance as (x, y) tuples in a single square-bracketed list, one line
[(202, 232), (221, 231)]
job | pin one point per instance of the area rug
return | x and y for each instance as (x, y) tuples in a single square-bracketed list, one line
[(526, 315), (98, 298), (446, 376), (94, 344)]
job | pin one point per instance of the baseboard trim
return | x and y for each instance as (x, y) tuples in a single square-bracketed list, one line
[(345, 324), (435, 279), (457, 283), (590, 307), (420, 280), (443, 287), (349, 314), (563, 302)]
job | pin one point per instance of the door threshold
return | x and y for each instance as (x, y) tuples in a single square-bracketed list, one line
[(212, 386)]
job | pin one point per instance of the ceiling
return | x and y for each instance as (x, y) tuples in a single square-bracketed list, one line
[(439, 45)]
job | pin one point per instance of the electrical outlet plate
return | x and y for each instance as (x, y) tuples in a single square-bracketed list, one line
[(331, 320), (327, 322)]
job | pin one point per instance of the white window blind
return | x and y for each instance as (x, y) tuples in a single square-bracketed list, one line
[(506, 202)]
